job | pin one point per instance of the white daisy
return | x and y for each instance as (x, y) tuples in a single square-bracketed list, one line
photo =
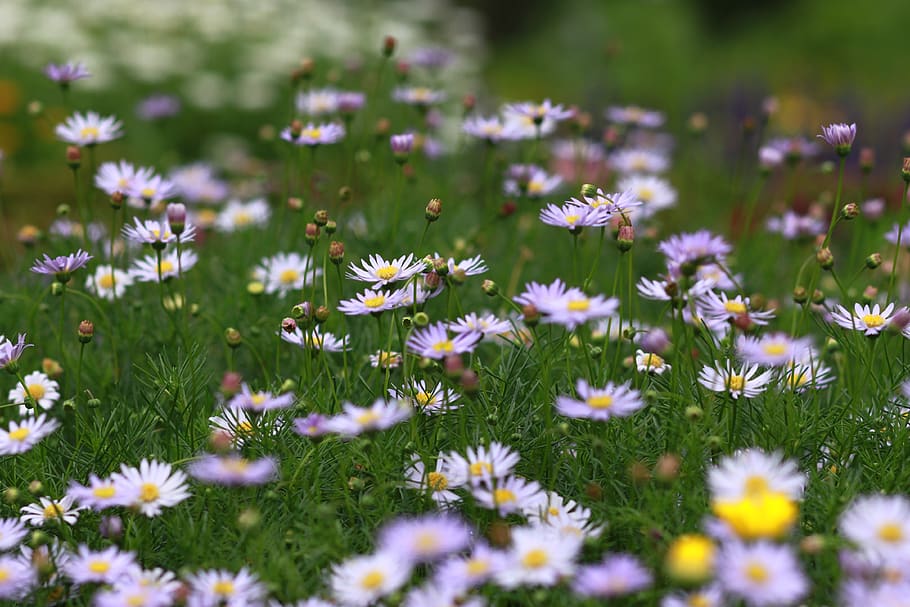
[(101, 567), (12, 532), (47, 509), (381, 272), (745, 381), (363, 580), (870, 320), (108, 282), (649, 362), (284, 273), (25, 434), (157, 486), (879, 525), (538, 556), (220, 588), (147, 269), (89, 129), (752, 471), (42, 390), (437, 483), (511, 494), (435, 399), (237, 215), (484, 464)]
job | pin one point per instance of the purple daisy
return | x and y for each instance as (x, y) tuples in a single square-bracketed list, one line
[(61, 267), (65, 73)]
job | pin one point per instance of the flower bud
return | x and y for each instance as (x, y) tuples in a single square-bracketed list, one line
[(322, 314), (440, 266), (812, 544), (28, 235), (625, 238), (382, 127), (900, 320), (255, 287), (345, 193), (231, 383), (73, 157), (490, 288), (116, 200), (866, 159), (295, 204), (288, 325), (905, 170), (850, 211), (818, 297), (51, 368), (35, 487), (303, 311), (743, 322), (249, 518), (431, 280), (11, 495), (434, 209), (468, 102), (825, 258), (698, 123), (470, 383), (800, 295), (176, 217), (667, 467), (421, 319), (311, 234), (232, 337), (453, 366), (531, 314), (331, 227), (86, 331), (694, 413), (874, 260), (588, 190), (111, 527), (296, 128), (388, 46), (401, 146), (336, 252), (458, 277), (869, 294), (321, 217)]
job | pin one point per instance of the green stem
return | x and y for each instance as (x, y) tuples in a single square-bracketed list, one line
[(897, 248)]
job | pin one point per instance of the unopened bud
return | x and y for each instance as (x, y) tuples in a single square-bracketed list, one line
[(296, 128), (812, 544), (321, 217), (667, 467), (294, 203), (176, 217), (35, 487), (470, 383), (311, 233), (382, 127), (866, 159), (490, 288), (825, 258), (336, 252), (11, 495), (322, 314), (111, 527), (28, 235), (698, 123), (388, 46), (344, 193), (694, 413), (874, 260), (869, 294), (249, 518), (743, 322), (531, 314), (440, 266), (900, 320), (453, 366), (232, 337), (818, 297), (51, 368), (431, 280), (331, 227), (850, 211), (434, 209), (231, 383), (625, 238), (86, 331), (639, 473), (288, 325), (117, 199), (468, 102), (303, 311), (589, 190), (905, 171), (800, 295), (73, 156)]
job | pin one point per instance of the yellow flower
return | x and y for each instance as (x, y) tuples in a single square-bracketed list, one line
[(764, 514), (690, 558)]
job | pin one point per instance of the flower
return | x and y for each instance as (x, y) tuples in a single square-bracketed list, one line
[(157, 486), (65, 73), (381, 272), (260, 401), (565, 516), (423, 539), (719, 308), (691, 558), (61, 267), (362, 580), (600, 404), (147, 269), (709, 596), (221, 588), (510, 494), (871, 321), (879, 525), (438, 593), (488, 325), (471, 266), (148, 188), (312, 134), (133, 594), (483, 464), (438, 483), (370, 302), (102, 567), (537, 557), (9, 353), (616, 575), (434, 341), (156, 232), (312, 426), (108, 282), (793, 226), (317, 102), (536, 184), (284, 273), (751, 471), (315, 339), (761, 573), (386, 360), (24, 435), (743, 382), (648, 362), (774, 349), (103, 493), (41, 389), (491, 130), (802, 376), (198, 183), (574, 308), (50, 510), (16, 578), (232, 469), (461, 573), (238, 215), (89, 129), (538, 112), (635, 116), (157, 106), (695, 247), (437, 399), (354, 420), (574, 216), (419, 96), (401, 145), (120, 177), (12, 531), (637, 161), (655, 192), (840, 136)]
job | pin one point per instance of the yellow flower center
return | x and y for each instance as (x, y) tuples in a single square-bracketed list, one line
[(478, 468), (372, 580), (20, 434), (757, 485), (653, 360), (891, 533), (89, 132), (54, 510), (735, 307), (477, 567), (423, 399), (603, 401), (578, 305), (444, 346), (640, 163), (571, 219), (491, 129), (757, 572), (737, 382), (691, 558), (312, 133), (503, 496), (289, 277), (387, 272), (235, 465), (149, 492), (244, 427), (699, 600), (106, 281), (258, 398), (760, 515), (104, 492), (223, 587), (374, 302), (775, 349), (166, 266), (367, 418), (426, 542), (437, 481), (242, 218), (135, 600), (535, 187), (645, 194), (147, 193), (873, 320), (99, 567), (534, 559), (4, 574), (421, 94)]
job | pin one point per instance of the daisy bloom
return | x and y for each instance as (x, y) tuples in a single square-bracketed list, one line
[(315, 339), (102, 567), (574, 216), (156, 233), (539, 295), (363, 580), (691, 558), (488, 325), (484, 464), (148, 188), (879, 525), (648, 362), (538, 112), (419, 96), (794, 149), (25, 434), (108, 282), (89, 129), (600, 404), (565, 516), (221, 588), (538, 557), (283, 273), (616, 575), (237, 423), (746, 381), (41, 389), (695, 247), (439, 594), (315, 134), (157, 486), (635, 116), (574, 308), (870, 320), (260, 401), (793, 226), (710, 596), (462, 573), (655, 192), (317, 102), (311, 426), (103, 493), (148, 269), (536, 185), (492, 130), (370, 302), (12, 531), (198, 183), (762, 573), (401, 145), (50, 510), (16, 578), (773, 349), (61, 267), (157, 106), (120, 177), (65, 73), (719, 308), (232, 469), (386, 360), (238, 215), (381, 272), (635, 161), (840, 136), (802, 376), (424, 539), (434, 341), (354, 420), (438, 483), (511, 494), (133, 594), (471, 266), (436, 399)]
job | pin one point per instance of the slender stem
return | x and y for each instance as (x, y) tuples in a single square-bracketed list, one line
[(897, 248), (836, 209), (395, 217)]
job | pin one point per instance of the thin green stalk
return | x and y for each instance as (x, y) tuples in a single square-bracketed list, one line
[(897, 247)]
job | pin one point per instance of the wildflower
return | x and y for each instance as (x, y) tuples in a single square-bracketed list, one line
[(488, 325), (16, 578), (537, 557), (565, 516), (461, 573), (761, 573), (773, 349), (423, 539), (103, 493), (221, 588), (157, 486), (197, 183), (284, 273), (65, 73), (438, 483), (232, 469), (113, 177), (419, 96), (350, 101), (871, 321), (600, 404), (439, 594), (616, 575), (362, 580), (42, 390), (156, 232), (802, 376), (539, 112), (574, 308), (721, 308), (354, 420), (471, 266), (133, 594), (573, 216), (696, 247), (793, 226), (260, 401), (709, 596), (148, 268), (371, 302), (108, 282), (691, 558), (648, 362), (312, 426), (434, 341), (879, 525), (239, 425), (88, 129), (317, 102), (656, 193), (386, 360), (742, 382), (50, 510), (401, 146), (61, 267), (315, 339), (381, 272), (148, 188), (492, 130), (24, 435), (157, 106), (509, 494), (840, 136), (634, 116), (437, 399), (313, 134), (239, 215), (12, 531), (102, 567), (536, 184), (636, 161), (483, 464), (794, 149)]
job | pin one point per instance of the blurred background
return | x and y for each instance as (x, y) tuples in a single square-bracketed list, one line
[(225, 65)]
